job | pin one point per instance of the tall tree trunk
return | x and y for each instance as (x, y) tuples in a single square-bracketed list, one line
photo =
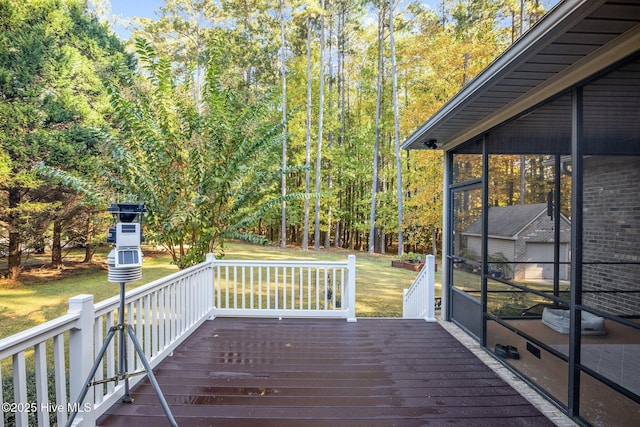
[(376, 147), (14, 235), (327, 236), (397, 129), (316, 242), (307, 163), (89, 249), (283, 183), (56, 246), (341, 100)]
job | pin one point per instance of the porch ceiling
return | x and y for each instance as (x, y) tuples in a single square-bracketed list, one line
[(575, 40)]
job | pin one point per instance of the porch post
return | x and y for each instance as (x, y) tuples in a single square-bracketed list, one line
[(446, 236), (431, 291), (210, 287), (575, 336), (351, 286), (81, 355)]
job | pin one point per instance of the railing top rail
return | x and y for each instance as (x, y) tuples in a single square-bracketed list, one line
[(32, 336), (271, 263), (109, 304)]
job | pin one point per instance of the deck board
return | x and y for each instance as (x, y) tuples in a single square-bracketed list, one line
[(319, 372)]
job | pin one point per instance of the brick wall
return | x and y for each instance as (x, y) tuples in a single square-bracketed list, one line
[(612, 233)]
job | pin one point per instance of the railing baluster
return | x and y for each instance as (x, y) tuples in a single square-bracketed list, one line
[(293, 288), (243, 287), (139, 331), (155, 322), (147, 326), (219, 285), (162, 319), (60, 377), (284, 287), (131, 356), (42, 388), (226, 288), (260, 287), (251, 282), (268, 288), (20, 388), (342, 286), (277, 300), (97, 344), (111, 352)]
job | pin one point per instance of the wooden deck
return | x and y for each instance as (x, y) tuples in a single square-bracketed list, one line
[(293, 372)]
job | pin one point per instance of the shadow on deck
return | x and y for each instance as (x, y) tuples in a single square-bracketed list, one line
[(310, 372)]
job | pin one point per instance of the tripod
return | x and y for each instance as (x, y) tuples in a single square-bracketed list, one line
[(121, 327)]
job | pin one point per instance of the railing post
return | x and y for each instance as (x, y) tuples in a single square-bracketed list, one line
[(431, 292), (81, 355), (211, 288), (405, 305), (351, 282)]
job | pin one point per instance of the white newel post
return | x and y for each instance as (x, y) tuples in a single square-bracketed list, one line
[(405, 305), (81, 357), (431, 292), (211, 288), (351, 268)]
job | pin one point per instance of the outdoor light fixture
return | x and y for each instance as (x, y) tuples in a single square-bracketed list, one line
[(432, 143), (125, 265)]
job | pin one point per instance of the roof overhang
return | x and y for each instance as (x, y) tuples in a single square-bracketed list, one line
[(575, 40)]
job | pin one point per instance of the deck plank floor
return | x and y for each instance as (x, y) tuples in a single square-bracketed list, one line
[(316, 372)]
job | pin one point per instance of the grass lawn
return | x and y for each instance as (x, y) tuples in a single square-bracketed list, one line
[(42, 294)]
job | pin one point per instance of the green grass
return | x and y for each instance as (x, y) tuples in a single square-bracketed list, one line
[(43, 294), (378, 285)]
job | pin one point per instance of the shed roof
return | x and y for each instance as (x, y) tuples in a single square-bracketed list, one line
[(508, 221), (574, 41)]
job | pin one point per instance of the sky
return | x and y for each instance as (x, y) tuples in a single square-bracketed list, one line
[(129, 8), (147, 8)]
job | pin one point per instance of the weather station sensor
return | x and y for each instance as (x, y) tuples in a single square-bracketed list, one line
[(125, 259), (125, 265)]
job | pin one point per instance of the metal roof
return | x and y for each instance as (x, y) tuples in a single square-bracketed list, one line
[(575, 40)]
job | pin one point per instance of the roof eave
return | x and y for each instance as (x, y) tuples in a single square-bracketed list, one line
[(566, 13)]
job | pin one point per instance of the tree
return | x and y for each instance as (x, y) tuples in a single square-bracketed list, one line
[(205, 174), (374, 180), (283, 182), (396, 127), (316, 240), (53, 58), (307, 162)]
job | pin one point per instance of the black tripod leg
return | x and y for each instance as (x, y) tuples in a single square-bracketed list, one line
[(152, 377), (92, 373)]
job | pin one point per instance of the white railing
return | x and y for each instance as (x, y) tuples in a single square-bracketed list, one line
[(163, 314), (285, 288), (419, 300)]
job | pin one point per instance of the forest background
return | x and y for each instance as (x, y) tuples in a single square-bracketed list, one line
[(235, 119)]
